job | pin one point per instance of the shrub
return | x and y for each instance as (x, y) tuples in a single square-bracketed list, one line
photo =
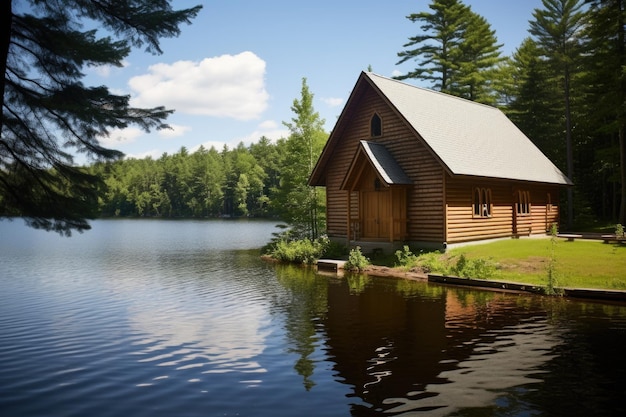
[(431, 262), (619, 230), (551, 288), (405, 257), (298, 251), (356, 260), (473, 268)]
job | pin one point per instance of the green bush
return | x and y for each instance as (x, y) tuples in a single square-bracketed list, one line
[(473, 268), (405, 257), (432, 262), (299, 251), (286, 249), (356, 260)]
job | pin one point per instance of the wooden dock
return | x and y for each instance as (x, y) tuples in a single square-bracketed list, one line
[(330, 264)]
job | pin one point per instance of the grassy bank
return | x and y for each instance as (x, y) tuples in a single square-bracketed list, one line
[(578, 264)]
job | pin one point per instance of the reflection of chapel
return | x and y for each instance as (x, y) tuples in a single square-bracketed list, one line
[(410, 165)]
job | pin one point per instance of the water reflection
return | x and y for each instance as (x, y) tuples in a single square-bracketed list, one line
[(305, 312), (408, 348), (212, 326)]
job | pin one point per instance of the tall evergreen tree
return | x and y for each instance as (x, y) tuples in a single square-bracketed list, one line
[(557, 30), (478, 63), (436, 48), (607, 79), (299, 204), (535, 106), (456, 51), (48, 113)]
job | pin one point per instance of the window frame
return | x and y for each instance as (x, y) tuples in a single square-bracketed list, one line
[(376, 125), (523, 206), (549, 202), (482, 203)]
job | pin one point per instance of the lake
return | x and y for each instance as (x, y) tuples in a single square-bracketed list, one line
[(183, 318)]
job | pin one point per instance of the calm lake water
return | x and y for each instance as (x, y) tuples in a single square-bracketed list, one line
[(182, 318)]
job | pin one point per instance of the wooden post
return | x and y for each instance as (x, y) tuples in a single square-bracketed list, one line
[(391, 225)]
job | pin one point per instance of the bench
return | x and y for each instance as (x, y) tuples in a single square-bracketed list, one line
[(569, 237), (613, 239)]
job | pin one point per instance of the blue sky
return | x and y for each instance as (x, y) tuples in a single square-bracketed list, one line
[(232, 75)]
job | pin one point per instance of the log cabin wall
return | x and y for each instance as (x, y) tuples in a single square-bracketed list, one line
[(506, 217), (544, 203), (463, 225), (425, 199), (336, 199)]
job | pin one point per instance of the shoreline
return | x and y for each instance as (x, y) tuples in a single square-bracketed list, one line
[(592, 294)]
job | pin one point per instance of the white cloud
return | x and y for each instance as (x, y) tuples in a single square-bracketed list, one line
[(120, 136), (268, 125), (269, 128), (333, 101), (396, 73), (153, 153), (230, 86), (174, 131)]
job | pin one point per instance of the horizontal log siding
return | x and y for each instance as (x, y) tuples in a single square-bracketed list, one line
[(425, 209), (462, 226), (337, 199), (544, 212)]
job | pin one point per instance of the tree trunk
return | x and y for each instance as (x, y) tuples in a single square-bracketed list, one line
[(621, 117), (622, 153), (569, 150), (5, 22)]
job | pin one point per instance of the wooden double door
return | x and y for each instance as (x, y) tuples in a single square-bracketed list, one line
[(384, 214)]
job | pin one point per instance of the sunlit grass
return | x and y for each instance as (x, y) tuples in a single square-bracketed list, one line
[(578, 264)]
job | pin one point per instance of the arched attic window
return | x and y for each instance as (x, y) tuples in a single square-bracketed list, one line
[(376, 126)]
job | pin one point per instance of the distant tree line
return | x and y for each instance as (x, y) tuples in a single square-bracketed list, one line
[(264, 179)]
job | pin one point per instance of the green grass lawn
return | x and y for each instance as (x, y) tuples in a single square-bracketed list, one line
[(578, 264)]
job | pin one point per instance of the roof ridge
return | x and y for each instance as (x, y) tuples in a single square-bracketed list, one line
[(429, 90)]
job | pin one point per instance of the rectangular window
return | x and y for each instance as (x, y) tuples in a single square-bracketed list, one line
[(482, 202)]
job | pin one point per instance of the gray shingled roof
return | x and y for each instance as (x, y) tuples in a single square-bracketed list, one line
[(469, 138), (385, 164)]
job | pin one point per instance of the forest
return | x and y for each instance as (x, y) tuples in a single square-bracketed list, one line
[(564, 87), (265, 179)]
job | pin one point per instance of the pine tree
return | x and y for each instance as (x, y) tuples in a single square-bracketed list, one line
[(557, 29), (299, 204), (536, 107), (477, 65), (607, 79), (436, 50), (49, 115), (457, 51)]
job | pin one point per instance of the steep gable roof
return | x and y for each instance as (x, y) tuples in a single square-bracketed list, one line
[(467, 137)]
